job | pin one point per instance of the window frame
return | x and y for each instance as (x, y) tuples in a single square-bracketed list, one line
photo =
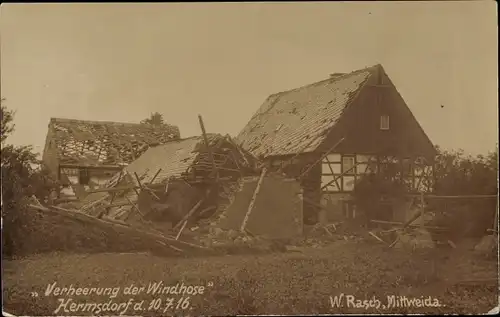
[(84, 174), (353, 171), (385, 123)]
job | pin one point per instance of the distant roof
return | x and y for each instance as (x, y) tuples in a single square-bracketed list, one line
[(105, 143), (297, 121)]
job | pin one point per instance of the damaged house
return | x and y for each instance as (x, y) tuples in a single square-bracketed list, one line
[(330, 133), (86, 154), (169, 181)]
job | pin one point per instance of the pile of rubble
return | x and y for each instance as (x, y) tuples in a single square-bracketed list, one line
[(232, 241), (418, 238), (488, 245)]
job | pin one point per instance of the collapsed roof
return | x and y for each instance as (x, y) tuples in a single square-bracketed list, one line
[(105, 143), (189, 157), (187, 160)]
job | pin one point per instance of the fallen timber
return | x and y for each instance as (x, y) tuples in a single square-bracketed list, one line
[(155, 238)]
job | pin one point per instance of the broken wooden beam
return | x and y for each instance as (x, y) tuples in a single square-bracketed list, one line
[(102, 167), (337, 177), (252, 202), (135, 207), (117, 183), (321, 158), (395, 241), (402, 224), (207, 144), (195, 207), (138, 180), (150, 191), (118, 226), (453, 196), (154, 177), (112, 189), (181, 229), (376, 237)]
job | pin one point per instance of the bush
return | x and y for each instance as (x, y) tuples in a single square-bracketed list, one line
[(375, 188), (455, 174)]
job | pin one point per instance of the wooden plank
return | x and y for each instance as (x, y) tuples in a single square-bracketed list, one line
[(453, 196), (238, 149), (376, 237), (154, 177), (93, 203), (189, 214), (395, 241), (331, 170), (152, 193), (114, 193), (118, 205), (168, 182), (209, 150), (401, 224), (107, 167), (252, 202), (180, 230), (340, 176), (321, 158), (296, 155), (135, 207), (138, 180), (207, 209), (176, 249), (129, 229), (112, 189)]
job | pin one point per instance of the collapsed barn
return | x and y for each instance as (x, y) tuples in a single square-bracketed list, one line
[(85, 154), (329, 134), (171, 181)]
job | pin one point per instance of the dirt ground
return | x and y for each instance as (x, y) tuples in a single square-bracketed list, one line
[(299, 282)]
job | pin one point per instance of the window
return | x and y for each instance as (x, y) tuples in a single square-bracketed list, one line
[(83, 177), (348, 166), (384, 122), (349, 209), (406, 166), (348, 183)]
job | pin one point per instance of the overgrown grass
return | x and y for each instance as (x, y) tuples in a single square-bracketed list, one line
[(284, 283)]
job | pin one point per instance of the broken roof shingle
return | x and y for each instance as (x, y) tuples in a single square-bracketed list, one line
[(106, 143), (297, 121)]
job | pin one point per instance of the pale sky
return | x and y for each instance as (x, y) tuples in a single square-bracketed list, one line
[(120, 62)]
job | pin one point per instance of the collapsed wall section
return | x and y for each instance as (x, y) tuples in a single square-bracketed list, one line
[(276, 211)]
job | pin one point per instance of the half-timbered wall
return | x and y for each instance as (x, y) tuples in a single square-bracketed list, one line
[(86, 177), (340, 172)]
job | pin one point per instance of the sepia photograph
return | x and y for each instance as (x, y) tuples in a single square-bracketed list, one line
[(249, 158)]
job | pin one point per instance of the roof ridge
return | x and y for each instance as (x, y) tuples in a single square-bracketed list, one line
[(67, 120), (344, 76)]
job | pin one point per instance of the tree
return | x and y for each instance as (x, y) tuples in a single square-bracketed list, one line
[(155, 118), (373, 189), (20, 180), (6, 118), (458, 174)]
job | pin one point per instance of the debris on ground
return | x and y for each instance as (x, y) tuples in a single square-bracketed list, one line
[(487, 245), (418, 238)]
